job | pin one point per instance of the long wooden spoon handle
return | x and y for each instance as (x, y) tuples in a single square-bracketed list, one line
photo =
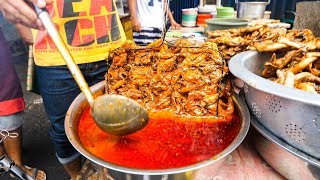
[(73, 67)]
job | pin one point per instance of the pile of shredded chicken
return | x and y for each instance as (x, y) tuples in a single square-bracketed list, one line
[(297, 64), (261, 38), (296, 58), (233, 41), (179, 78)]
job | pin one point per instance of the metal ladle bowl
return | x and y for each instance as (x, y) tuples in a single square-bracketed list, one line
[(125, 116)]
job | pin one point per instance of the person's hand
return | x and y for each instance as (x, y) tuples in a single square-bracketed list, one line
[(136, 26), (175, 25), (20, 12), (25, 33)]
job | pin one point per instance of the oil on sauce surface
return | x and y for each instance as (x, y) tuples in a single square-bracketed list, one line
[(163, 143)]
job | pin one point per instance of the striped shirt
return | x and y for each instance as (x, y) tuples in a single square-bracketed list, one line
[(146, 35)]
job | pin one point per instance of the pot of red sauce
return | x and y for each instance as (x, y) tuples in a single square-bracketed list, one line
[(166, 146)]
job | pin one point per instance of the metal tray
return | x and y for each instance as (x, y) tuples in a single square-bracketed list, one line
[(285, 159), (289, 113)]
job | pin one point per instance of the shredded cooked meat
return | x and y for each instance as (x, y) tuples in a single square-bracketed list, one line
[(296, 58), (263, 39), (179, 78), (295, 69)]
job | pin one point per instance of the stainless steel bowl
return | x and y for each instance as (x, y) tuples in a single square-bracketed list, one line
[(285, 159), (251, 10), (289, 113), (80, 104)]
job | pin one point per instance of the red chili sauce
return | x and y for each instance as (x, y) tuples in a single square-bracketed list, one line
[(163, 143)]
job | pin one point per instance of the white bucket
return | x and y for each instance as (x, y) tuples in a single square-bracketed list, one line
[(189, 17)]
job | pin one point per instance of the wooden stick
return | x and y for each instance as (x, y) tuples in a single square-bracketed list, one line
[(30, 69), (73, 67)]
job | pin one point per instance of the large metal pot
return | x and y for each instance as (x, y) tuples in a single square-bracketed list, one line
[(285, 159), (251, 10), (80, 104)]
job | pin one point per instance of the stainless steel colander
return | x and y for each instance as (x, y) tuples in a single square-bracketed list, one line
[(291, 114)]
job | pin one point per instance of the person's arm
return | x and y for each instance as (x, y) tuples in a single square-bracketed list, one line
[(133, 14), (173, 23), (19, 11)]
